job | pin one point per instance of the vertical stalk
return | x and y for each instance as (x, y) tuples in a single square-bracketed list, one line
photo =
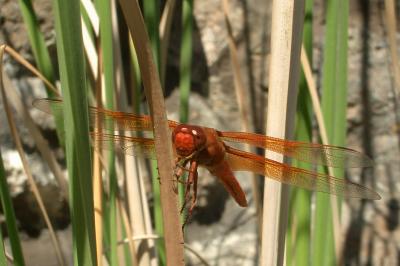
[(286, 36), (169, 200), (107, 71), (186, 60), (334, 104), (298, 247), (73, 83)]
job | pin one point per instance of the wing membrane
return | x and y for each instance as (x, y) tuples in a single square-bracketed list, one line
[(244, 161), (328, 155), (108, 120), (141, 147)]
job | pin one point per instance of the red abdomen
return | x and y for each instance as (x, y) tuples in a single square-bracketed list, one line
[(225, 175)]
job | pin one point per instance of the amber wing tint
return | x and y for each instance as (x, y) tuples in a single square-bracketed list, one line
[(238, 160), (142, 147), (109, 120), (328, 155), (244, 161)]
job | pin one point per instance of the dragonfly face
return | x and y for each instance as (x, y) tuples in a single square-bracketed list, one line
[(188, 140)]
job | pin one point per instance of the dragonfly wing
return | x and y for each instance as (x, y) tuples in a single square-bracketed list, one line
[(328, 155), (141, 147), (244, 161), (106, 119)]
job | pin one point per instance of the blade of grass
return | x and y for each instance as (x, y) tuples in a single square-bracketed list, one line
[(136, 83), (154, 95), (10, 220), (37, 42), (3, 257), (106, 42), (286, 35), (92, 15), (334, 94), (324, 137), (298, 246), (185, 65), (73, 83), (158, 215), (90, 50), (41, 55), (98, 166)]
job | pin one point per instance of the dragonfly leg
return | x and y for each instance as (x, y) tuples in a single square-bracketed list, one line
[(179, 174), (194, 199), (192, 179), (180, 167), (189, 182)]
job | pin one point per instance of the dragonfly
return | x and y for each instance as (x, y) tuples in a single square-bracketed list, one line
[(198, 146)]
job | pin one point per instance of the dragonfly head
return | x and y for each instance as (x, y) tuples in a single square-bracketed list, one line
[(188, 140)]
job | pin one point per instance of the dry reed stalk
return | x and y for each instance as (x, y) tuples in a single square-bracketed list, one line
[(390, 10), (286, 37), (154, 94)]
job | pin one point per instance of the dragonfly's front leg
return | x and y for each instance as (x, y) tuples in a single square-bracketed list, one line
[(194, 199), (192, 179), (180, 168)]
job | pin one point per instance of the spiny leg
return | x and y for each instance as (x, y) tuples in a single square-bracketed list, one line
[(192, 179), (189, 183), (180, 168), (194, 199)]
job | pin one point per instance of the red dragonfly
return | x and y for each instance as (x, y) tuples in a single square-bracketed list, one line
[(202, 146)]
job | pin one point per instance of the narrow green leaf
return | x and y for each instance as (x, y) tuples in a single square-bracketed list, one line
[(334, 102), (38, 44), (158, 218), (3, 258), (41, 54), (11, 221), (186, 60), (73, 83), (107, 50), (298, 244)]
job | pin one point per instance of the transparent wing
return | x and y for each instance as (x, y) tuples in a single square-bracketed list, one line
[(328, 155), (244, 161), (108, 120), (141, 147)]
